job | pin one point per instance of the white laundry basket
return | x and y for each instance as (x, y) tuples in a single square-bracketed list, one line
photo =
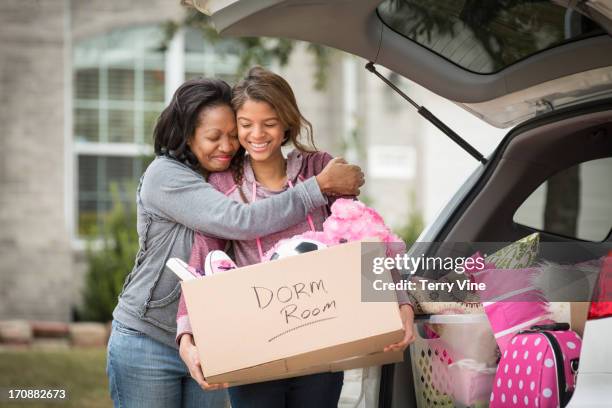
[(453, 361)]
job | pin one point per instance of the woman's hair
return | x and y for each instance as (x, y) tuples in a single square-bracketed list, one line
[(262, 85), (177, 123)]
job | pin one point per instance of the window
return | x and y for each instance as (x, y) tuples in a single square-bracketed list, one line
[(120, 82), (485, 36), (576, 202), (97, 173), (118, 93)]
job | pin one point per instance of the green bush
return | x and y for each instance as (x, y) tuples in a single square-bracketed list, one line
[(412, 228), (111, 257)]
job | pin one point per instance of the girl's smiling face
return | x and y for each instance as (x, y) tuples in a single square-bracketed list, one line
[(214, 142), (260, 130)]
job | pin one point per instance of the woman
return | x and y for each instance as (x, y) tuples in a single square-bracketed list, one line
[(268, 118), (195, 135)]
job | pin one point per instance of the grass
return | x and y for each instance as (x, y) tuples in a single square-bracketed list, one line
[(81, 372)]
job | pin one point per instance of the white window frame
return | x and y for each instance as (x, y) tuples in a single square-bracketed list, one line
[(174, 76)]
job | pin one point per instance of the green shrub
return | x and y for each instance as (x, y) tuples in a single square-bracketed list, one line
[(111, 257), (412, 228)]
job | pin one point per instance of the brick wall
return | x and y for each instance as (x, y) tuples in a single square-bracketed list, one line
[(35, 270)]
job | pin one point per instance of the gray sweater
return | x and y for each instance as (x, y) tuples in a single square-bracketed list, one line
[(172, 202)]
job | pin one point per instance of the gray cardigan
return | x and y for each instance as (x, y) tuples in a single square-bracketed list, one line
[(172, 202)]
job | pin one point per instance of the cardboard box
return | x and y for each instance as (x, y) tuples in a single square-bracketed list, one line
[(375, 359), (293, 316), (574, 313), (579, 312)]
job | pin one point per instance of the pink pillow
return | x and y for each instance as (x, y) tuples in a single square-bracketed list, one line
[(510, 300)]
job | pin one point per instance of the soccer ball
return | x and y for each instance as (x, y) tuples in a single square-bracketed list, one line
[(296, 246)]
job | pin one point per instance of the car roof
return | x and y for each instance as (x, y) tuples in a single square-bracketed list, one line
[(355, 26)]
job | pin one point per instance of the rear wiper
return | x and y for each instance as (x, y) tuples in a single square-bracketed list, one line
[(431, 117)]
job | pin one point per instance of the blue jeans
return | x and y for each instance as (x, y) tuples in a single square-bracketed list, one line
[(143, 372), (317, 390)]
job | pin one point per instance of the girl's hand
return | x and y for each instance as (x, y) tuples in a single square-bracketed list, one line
[(407, 315), (339, 178), (191, 358)]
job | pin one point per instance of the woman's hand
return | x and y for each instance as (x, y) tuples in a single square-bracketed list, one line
[(339, 178), (191, 358), (407, 315)]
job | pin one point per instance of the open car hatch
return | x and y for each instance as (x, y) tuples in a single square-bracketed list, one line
[(505, 62)]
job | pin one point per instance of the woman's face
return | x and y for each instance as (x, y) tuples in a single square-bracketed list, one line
[(215, 141), (260, 130)]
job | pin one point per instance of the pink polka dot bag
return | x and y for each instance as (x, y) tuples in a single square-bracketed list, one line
[(537, 368)]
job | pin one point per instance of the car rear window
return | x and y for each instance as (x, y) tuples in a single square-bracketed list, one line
[(576, 202), (485, 36)]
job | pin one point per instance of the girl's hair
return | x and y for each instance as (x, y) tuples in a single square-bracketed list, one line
[(262, 85), (177, 123)]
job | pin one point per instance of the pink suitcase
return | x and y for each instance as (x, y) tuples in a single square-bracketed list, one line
[(538, 368)]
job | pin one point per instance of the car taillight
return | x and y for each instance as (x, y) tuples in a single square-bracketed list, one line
[(601, 304)]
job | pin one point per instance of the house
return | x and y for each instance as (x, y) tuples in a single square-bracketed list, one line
[(82, 84)]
